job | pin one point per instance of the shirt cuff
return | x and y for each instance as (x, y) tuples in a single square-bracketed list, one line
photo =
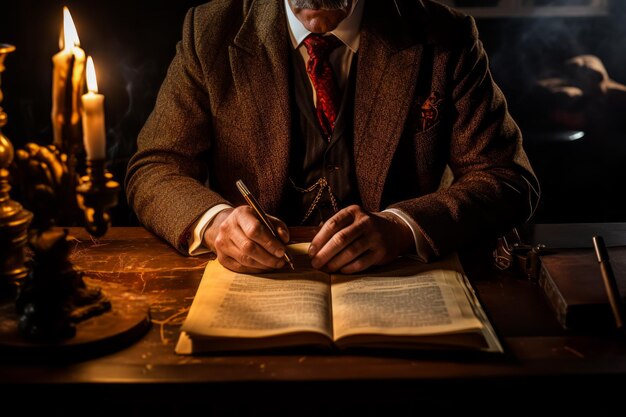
[(421, 246), (196, 242)]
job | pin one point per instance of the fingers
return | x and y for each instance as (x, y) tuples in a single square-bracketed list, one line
[(351, 241), (257, 237), (330, 230), (244, 244), (343, 239), (358, 264), (354, 240), (281, 228), (234, 265), (354, 257)]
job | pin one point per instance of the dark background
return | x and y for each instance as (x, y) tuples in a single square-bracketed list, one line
[(133, 42)]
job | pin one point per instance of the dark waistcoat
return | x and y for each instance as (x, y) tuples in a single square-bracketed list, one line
[(315, 158)]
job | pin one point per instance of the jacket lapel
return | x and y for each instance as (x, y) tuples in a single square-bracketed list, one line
[(260, 63), (387, 71)]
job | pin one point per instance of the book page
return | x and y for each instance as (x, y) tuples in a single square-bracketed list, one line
[(403, 298), (229, 304)]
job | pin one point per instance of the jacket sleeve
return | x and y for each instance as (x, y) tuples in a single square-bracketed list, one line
[(494, 187), (166, 177)]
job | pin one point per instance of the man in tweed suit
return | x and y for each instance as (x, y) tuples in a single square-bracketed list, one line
[(417, 107)]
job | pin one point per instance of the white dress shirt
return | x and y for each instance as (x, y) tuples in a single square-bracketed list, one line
[(349, 32)]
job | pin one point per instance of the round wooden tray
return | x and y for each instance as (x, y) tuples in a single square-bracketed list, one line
[(126, 322)]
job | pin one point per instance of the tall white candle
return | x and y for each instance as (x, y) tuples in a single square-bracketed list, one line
[(68, 70), (94, 134)]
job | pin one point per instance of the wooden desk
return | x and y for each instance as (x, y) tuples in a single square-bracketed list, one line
[(542, 360)]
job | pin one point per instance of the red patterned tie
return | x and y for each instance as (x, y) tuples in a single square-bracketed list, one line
[(319, 48)]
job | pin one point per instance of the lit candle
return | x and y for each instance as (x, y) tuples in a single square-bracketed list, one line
[(68, 81), (94, 135)]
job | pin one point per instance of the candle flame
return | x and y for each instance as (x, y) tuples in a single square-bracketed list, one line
[(70, 35), (92, 82)]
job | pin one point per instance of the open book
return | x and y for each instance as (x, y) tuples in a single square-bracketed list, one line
[(406, 304)]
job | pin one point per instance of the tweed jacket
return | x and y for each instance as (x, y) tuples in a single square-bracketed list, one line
[(425, 104)]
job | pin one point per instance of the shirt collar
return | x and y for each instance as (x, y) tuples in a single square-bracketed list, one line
[(348, 31)]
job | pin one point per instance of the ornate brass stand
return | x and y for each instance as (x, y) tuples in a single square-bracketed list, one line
[(50, 295), (14, 220)]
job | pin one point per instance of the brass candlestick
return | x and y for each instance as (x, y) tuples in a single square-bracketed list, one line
[(51, 294), (14, 219)]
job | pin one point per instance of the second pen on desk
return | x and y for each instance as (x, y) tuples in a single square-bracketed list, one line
[(252, 202), (610, 284)]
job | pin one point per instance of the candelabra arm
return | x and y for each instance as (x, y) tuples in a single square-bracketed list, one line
[(96, 194)]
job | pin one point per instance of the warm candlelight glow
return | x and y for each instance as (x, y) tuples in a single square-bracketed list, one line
[(70, 34), (68, 82), (94, 135), (92, 82)]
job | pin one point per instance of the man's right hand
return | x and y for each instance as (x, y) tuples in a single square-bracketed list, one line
[(243, 244)]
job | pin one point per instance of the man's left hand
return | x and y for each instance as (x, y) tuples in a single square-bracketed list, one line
[(354, 239)]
